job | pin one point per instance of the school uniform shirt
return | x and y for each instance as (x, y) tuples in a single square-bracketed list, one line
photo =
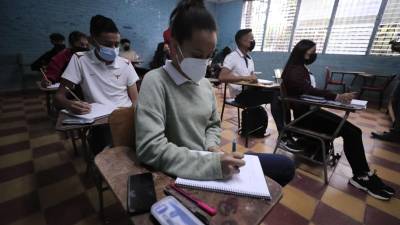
[(175, 119), (101, 83), (241, 65), (58, 64)]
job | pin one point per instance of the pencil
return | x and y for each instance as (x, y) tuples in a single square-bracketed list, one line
[(72, 93), (44, 75)]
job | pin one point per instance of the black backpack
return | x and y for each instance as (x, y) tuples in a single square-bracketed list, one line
[(253, 118)]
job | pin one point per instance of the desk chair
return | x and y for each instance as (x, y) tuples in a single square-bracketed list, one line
[(232, 102), (370, 85), (122, 126), (26, 73), (330, 81), (326, 141)]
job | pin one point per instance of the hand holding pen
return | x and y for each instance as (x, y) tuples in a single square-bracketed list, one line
[(78, 106)]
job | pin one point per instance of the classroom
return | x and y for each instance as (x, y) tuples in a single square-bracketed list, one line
[(181, 112)]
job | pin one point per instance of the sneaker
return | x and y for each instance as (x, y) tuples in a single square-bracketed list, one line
[(290, 145), (371, 184), (385, 188)]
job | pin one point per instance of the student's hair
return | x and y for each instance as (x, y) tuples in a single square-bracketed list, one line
[(159, 57), (240, 34), (56, 37), (100, 24), (75, 36), (298, 52), (124, 40), (188, 16)]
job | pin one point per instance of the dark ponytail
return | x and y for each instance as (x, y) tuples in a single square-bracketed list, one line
[(297, 55), (188, 16)]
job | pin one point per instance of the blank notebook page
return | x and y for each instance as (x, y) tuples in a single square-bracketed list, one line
[(249, 182)]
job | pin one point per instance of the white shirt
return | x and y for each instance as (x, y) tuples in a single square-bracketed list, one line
[(236, 62), (101, 83)]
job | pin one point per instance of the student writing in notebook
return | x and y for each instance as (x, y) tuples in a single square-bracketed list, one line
[(104, 77), (78, 42), (177, 112), (296, 79)]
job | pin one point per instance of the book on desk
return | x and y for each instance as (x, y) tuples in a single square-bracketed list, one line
[(355, 103)]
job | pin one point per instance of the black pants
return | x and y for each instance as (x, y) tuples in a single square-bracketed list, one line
[(259, 96), (326, 122), (396, 108), (99, 137)]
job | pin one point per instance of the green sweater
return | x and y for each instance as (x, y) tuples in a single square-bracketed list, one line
[(172, 122)]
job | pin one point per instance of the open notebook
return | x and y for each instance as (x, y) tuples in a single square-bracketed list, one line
[(266, 82), (249, 182), (98, 111)]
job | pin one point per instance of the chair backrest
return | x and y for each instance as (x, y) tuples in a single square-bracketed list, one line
[(122, 125), (389, 80)]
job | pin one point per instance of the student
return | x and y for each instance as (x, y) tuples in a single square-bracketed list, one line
[(160, 56), (104, 77), (78, 42), (239, 66), (177, 112), (127, 51), (57, 40), (296, 79)]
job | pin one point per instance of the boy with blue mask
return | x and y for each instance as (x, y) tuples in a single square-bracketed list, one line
[(104, 77)]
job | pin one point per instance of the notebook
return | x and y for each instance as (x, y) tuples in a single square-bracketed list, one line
[(98, 111), (359, 103), (54, 86), (267, 82), (249, 182)]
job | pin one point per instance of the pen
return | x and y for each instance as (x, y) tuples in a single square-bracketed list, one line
[(234, 145), (208, 209), (72, 93), (44, 74)]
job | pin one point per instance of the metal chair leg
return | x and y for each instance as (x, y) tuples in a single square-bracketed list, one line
[(325, 161), (238, 116), (222, 111), (278, 141)]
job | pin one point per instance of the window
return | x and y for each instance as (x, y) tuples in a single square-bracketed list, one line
[(280, 21), (389, 29), (313, 21), (253, 16), (352, 27)]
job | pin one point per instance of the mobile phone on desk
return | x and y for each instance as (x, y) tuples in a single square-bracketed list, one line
[(141, 193), (77, 121)]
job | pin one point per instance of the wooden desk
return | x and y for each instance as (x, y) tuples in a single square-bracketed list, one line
[(50, 92), (82, 135), (117, 164)]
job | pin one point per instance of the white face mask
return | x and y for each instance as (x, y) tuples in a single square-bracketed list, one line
[(194, 68)]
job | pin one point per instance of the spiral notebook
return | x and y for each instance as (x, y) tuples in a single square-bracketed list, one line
[(249, 182)]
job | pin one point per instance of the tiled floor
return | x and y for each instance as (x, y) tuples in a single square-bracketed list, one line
[(42, 182)]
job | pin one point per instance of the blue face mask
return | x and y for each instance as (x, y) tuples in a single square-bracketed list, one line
[(107, 53)]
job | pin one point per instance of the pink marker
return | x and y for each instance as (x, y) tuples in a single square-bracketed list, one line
[(208, 209)]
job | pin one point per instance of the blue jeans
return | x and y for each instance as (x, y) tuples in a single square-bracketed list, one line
[(278, 167)]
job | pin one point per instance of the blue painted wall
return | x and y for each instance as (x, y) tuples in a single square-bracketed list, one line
[(25, 26), (229, 16)]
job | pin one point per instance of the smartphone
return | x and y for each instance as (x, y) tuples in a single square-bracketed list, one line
[(77, 121), (141, 193)]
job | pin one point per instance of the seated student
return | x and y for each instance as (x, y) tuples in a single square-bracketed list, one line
[(177, 112), (160, 56), (57, 40), (296, 79), (127, 51), (104, 77), (78, 42), (239, 66)]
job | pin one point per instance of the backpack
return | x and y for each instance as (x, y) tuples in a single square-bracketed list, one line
[(253, 118)]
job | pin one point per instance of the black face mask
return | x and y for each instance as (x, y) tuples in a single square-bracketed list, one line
[(252, 45), (80, 49), (126, 47), (312, 59)]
